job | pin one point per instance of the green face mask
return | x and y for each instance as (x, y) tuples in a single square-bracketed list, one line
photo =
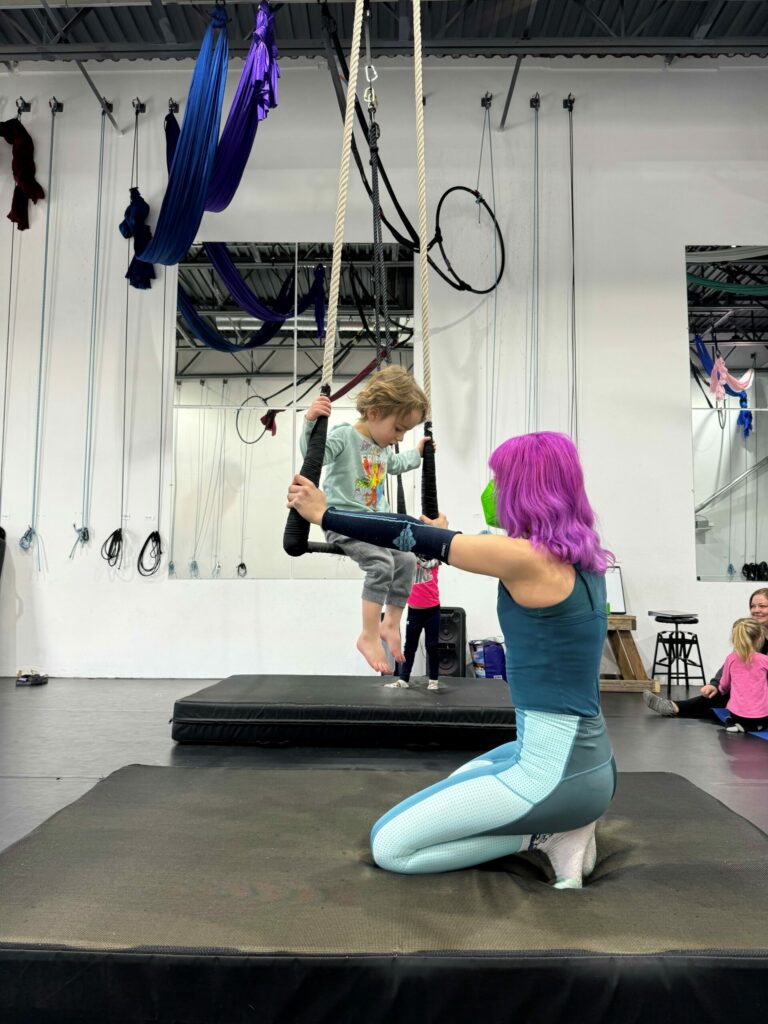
[(488, 501)]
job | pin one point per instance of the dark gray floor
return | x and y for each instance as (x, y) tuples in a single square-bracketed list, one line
[(56, 741)]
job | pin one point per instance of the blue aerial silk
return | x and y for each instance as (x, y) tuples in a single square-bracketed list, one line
[(192, 168), (205, 332), (744, 421)]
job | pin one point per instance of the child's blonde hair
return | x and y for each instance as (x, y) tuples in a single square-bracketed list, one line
[(392, 392), (747, 637)]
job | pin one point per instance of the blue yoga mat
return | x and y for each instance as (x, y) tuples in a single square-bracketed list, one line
[(722, 714)]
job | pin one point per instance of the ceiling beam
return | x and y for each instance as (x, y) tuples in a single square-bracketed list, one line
[(487, 47)]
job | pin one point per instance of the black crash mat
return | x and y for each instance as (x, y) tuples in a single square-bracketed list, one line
[(356, 711), (237, 894)]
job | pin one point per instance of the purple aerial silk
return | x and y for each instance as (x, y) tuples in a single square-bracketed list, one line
[(256, 95), (224, 265), (207, 333)]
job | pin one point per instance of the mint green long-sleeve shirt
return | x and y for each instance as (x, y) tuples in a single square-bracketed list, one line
[(356, 468)]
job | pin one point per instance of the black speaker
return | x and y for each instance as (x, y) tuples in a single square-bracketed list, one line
[(453, 642)]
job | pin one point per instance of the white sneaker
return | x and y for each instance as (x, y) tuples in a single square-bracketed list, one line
[(399, 684), (433, 684), (572, 854), (735, 728)]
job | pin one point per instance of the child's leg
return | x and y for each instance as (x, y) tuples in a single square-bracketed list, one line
[(432, 642), (413, 629), (404, 566), (747, 724), (378, 566)]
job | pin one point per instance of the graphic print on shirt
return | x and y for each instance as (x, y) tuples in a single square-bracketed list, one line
[(369, 488)]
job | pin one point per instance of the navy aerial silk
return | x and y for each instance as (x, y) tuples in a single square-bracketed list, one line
[(192, 168), (283, 307), (134, 225), (256, 95)]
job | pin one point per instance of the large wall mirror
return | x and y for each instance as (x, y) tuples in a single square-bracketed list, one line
[(247, 366), (728, 339)]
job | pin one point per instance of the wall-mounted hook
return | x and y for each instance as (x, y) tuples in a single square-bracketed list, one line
[(139, 107), (485, 101), (106, 106), (173, 106), (56, 105), (568, 102), (535, 101), (22, 106)]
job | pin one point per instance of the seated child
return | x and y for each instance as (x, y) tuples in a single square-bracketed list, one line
[(358, 456), (745, 675), (423, 614)]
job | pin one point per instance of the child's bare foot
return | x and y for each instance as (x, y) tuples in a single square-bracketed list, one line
[(371, 649), (390, 634)]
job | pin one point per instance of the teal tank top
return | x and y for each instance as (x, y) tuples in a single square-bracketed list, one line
[(553, 654)]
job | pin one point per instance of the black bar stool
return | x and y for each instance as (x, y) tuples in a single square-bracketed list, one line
[(681, 654)]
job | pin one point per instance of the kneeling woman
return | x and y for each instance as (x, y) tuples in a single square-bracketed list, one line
[(546, 790)]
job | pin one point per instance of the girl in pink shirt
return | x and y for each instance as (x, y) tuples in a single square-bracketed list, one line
[(423, 614), (745, 678)]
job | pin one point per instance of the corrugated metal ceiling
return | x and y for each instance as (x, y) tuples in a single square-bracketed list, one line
[(450, 27)]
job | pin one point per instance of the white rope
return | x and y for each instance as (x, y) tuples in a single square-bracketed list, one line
[(422, 195), (341, 201)]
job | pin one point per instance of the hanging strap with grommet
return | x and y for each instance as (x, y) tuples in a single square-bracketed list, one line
[(112, 548), (172, 538), (381, 307), (82, 532), (6, 392), (532, 345), (30, 537), (573, 403), (151, 554), (429, 503)]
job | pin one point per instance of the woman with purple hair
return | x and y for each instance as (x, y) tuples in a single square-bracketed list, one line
[(545, 791)]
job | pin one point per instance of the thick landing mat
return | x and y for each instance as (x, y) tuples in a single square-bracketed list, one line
[(239, 895), (350, 711)]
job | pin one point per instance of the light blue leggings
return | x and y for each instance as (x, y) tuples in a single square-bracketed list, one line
[(558, 775)]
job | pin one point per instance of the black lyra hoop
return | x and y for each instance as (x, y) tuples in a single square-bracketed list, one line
[(455, 280)]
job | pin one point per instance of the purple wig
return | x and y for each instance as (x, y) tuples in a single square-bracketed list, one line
[(539, 488)]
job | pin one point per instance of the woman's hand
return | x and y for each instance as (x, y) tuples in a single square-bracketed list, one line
[(422, 442), (320, 407), (441, 521), (308, 500), (709, 690)]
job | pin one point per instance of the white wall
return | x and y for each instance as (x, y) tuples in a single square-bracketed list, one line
[(664, 158)]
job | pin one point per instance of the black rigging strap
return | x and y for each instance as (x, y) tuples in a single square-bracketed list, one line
[(337, 65)]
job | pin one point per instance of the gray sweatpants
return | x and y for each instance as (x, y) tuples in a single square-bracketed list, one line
[(389, 575)]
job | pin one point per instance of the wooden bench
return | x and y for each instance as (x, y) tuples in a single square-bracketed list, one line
[(632, 677)]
